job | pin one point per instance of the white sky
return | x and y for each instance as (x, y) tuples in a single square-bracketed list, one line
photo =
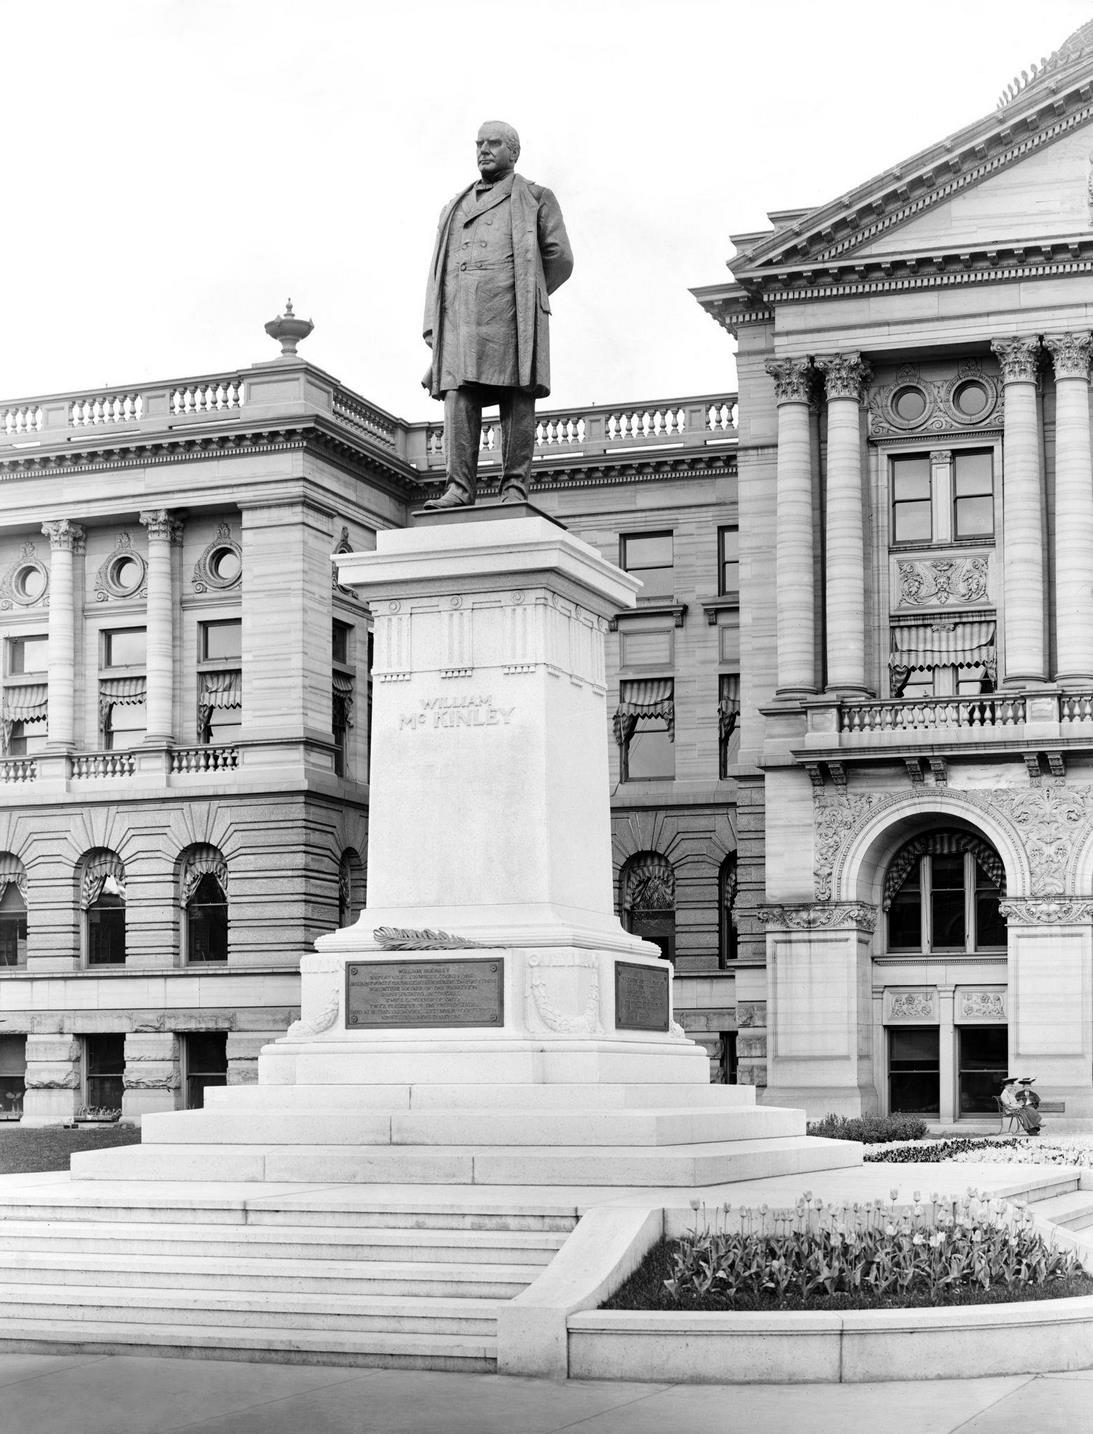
[(175, 168)]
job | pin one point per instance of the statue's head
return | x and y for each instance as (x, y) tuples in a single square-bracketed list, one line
[(497, 148)]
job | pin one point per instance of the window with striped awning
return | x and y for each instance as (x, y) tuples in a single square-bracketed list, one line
[(920, 646), (121, 692), (651, 697), (944, 843)]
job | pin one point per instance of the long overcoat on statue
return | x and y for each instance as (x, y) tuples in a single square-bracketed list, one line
[(542, 261)]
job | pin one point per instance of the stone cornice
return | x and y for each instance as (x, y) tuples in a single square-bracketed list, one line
[(925, 180)]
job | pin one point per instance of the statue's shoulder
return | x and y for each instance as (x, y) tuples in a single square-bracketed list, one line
[(535, 190)]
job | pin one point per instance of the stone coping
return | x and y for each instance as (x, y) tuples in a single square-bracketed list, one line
[(855, 1346)]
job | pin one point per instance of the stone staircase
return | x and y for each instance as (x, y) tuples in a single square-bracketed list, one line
[(370, 1283)]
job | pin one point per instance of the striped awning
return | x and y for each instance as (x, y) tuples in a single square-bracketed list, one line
[(924, 645), (26, 704), (221, 689), (946, 843), (648, 697), (123, 691)]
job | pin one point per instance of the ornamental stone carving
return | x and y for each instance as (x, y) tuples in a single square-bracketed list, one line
[(1049, 819), (553, 980), (161, 526), (816, 917), (1070, 354), (937, 583), (69, 1081), (1047, 912), (136, 1082), (793, 379), (982, 1005), (751, 1014), (323, 996), (845, 376), (1019, 358), (911, 1005), (26, 582), (65, 534)]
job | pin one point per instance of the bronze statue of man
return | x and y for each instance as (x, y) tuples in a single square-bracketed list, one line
[(501, 249)]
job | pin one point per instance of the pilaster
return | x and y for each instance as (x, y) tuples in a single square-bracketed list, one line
[(794, 528), (1070, 353), (66, 539), (164, 538), (846, 377), (1022, 513)]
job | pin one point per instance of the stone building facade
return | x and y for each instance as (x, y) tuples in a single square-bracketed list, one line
[(185, 705), (915, 788)]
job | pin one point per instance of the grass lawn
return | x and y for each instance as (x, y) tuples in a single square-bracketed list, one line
[(48, 1147)]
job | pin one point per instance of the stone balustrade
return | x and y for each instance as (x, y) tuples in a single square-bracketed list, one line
[(103, 764), (299, 391), (18, 769), (187, 760), (932, 714)]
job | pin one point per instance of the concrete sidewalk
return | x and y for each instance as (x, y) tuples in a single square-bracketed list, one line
[(116, 1394)]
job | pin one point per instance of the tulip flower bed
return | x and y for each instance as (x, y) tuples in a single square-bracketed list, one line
[(869, 1255)]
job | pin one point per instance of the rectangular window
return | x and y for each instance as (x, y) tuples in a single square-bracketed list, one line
[(339, 642), (912, 508), (728, 721), (942, 497), (27, 654), (727, 1066), (205, 1058), (104, 1071), (27, 738), (641, 646), (124, 725), (13, 927), (13, 1076), (973, 495), (221, 641), (914, 1069), (984, 1064), (124, 647), (648, 556), (728, 560), (645, 729)]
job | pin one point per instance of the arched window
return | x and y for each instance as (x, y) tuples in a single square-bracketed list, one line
[(204, 901), (102, 897), (941, 893), (727, 885), (648, 890)]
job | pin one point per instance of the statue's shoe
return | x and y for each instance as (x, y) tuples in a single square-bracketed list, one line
[(513, 494), (452, 497)]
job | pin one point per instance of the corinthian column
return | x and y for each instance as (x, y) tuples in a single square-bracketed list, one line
[(65, 539), (1022, 513), (795, 607), (163, 531), (846, 376), (1073, 508)]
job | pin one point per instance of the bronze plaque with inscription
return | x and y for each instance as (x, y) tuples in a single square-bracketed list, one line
[(641, 997), (382, 995)]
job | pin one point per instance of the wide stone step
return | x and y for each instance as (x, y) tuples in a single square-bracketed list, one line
[(557, 1096), (697, 1164), (252, 1309), (306, 1278), (280, 1242), (371, 1349), (470, 1127), (1072, 1210)]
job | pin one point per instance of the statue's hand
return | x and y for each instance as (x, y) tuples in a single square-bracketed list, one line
[(427, 378)]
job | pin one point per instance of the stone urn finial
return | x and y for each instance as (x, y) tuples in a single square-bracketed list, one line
[(288, 330)]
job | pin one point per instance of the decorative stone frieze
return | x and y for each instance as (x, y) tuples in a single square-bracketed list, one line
[(1047, 911), (1070, 354), (1051, 822), (845, 376), (816, 917), (981, 1005), (793, 379), (1019, 358), (751, 1014), (938, 582), (914, 1005)]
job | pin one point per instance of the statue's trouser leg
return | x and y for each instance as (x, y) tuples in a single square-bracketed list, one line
[(517, 440), (462, 431)]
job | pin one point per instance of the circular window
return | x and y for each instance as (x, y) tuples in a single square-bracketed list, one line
[(970, 398), (29, 583), (126, 574), (225, 565), (909, 404)]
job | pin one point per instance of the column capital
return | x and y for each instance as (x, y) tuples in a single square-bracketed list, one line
[(160, 524), (845, 375), (64, 534), (1019, 358), (792, 379), (1070, 353)]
